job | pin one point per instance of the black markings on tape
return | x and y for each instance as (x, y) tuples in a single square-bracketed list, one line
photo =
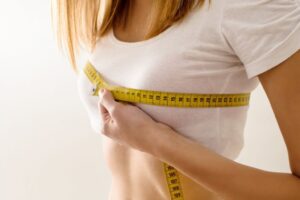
[(183, 99)]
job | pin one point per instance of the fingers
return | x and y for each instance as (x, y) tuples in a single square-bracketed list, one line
[(107, 103), (107, 100), (103, 111)]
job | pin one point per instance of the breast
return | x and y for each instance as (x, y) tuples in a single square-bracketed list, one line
[(220, 129), (177, 64)]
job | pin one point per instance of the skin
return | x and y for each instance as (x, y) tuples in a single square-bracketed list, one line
[(135, 160), (136, 174)]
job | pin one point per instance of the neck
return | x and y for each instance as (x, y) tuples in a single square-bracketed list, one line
[(142, 4)]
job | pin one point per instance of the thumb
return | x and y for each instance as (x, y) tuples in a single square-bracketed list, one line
[(106, 100)]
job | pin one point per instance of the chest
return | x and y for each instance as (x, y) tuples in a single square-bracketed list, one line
[(135, 31)]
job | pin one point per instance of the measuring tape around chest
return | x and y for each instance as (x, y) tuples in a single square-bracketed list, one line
[(166, 99)]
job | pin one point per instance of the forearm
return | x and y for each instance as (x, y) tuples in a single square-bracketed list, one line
[(231, 180)]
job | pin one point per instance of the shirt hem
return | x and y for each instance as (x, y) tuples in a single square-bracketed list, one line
[(276, 56)]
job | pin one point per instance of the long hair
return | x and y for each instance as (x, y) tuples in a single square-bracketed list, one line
[(79, 23)]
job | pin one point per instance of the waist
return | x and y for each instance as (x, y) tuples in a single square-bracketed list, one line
[(137, 175)]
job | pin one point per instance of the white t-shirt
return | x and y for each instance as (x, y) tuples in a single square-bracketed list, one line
[(217, 50)]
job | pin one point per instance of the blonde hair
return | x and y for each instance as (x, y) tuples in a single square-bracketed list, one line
[(79, 23)]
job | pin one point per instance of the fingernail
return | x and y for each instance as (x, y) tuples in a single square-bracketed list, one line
[(101, 92)]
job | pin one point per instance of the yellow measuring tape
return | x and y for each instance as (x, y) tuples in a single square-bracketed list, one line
[(166, 99)]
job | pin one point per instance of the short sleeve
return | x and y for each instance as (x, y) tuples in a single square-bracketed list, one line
[(262, 33)]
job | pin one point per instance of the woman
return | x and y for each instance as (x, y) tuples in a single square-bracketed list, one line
[(194, 46)]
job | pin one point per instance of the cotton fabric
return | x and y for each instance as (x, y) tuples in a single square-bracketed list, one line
[(221, 48)]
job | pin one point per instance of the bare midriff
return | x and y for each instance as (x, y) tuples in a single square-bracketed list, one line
[(137, 175)]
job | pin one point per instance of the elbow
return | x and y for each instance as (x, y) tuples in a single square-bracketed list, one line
[(295, 169), (296, 173), (295, 165)]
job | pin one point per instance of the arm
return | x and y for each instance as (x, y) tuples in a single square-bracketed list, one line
[(237, 181)]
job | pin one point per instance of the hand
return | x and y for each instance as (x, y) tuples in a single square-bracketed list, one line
[(127, 124)]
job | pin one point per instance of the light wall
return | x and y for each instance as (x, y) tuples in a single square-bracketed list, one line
[(47, 147)]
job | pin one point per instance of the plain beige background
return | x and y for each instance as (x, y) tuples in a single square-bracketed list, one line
[(47, 147)]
